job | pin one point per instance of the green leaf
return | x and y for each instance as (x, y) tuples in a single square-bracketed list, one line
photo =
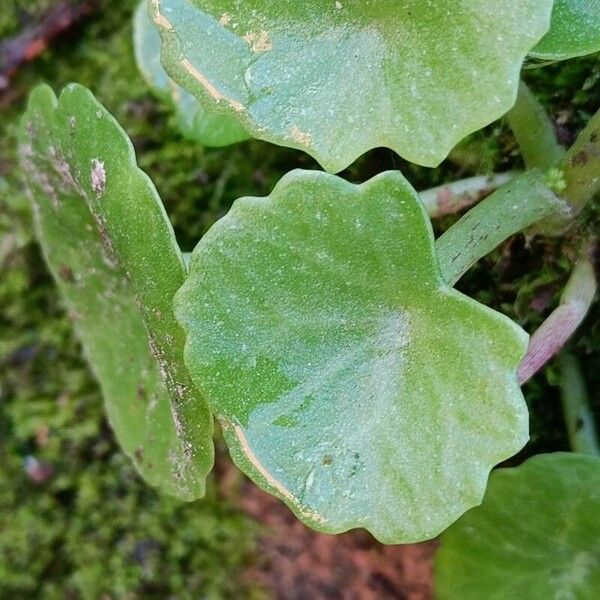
[(574, 31), (112, 251), (351, 381), (193, 121), (536, 535), (336, 79)]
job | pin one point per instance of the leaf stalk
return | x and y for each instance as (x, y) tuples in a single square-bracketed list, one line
[(452, 197), (534, 131), (581, 427), (581, 166), (556, 330), (515, 206)]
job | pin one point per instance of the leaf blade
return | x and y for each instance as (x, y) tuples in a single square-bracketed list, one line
[(310, 317), (113, 254), (537, 522), (337, 79), (574, 31), (194, 122)]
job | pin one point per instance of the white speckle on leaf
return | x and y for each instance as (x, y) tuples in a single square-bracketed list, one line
[(258, 42), (179, 429), (98, 176), (48, 189), (338, 5), (300, 136)]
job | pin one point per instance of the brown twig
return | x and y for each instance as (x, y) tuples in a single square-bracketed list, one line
[(34, 39)]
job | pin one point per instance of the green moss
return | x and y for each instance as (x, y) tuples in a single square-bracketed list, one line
[(16, 13), (93, 527)]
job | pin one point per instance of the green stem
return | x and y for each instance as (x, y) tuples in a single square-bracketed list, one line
[(581, 427), (581, 165), (449, 198), (534, 131), (510, 209)]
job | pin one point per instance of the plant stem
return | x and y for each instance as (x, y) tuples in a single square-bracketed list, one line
[(581, 165), (554, 332), (581, 427), (521, 202), (534, 131), (451, 197)]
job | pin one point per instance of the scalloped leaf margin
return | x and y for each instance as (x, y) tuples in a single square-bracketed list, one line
[(574, 31), (336, 79), (535, 536), (351, 381), (112, 251)]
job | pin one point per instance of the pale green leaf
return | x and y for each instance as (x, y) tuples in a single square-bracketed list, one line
[(351, 381), (536, 535), (194, 122), (112, 251), (574, 31), (338, 78)]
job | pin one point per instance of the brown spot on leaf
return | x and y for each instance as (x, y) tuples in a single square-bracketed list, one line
[(580, 159), (43, 181), (141, 392), (258, 42), (109, 257), (66, 274), (209, 87)]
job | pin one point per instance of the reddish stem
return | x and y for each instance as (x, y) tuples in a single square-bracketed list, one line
[(556, 330)]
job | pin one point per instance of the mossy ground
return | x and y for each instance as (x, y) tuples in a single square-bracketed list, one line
[(93, 528)]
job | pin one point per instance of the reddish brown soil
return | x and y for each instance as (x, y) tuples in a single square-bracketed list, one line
[(295, 563)]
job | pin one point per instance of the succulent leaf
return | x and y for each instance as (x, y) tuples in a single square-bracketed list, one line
[(351, 380), (112, 251), (338, 78), (535, 536), (574, 31), (194, 122)]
